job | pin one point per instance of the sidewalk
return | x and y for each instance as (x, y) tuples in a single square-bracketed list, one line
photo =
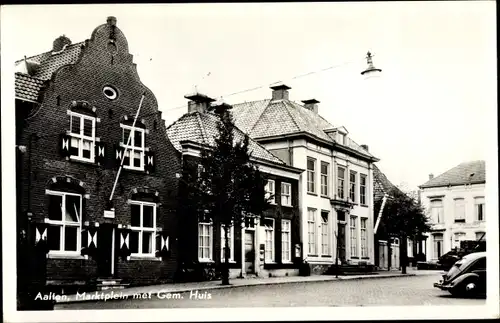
[(237, 282)]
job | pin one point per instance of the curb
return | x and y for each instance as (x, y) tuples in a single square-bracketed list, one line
[(215, 287)]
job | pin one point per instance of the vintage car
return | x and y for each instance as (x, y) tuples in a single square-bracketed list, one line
[(467, 277)]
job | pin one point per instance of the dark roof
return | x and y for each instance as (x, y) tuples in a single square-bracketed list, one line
[(473, 172), (269, 118), (45, 65), (27, 87), (202, 129), (381, 185)]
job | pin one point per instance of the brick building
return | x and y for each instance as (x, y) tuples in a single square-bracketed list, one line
[(78, 117), (264, 246)]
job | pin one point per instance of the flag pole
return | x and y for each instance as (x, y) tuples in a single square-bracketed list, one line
[(125, 151)]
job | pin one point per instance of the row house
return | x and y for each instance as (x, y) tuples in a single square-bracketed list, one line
[(265, 245), (335, 191), (455, 202), (96, 186)]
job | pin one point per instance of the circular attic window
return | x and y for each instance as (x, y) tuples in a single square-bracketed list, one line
[(110, 92)]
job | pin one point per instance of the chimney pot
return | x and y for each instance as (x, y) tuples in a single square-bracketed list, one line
[(60, 42), (280, 92), (311, 104), (365, 147), (198, 102), (431, 176), (111, 21)]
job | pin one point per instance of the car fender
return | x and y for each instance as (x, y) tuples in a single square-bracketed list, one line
[(461, 278)]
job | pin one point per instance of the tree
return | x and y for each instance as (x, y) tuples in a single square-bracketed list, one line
[(403, 217), (226, 187)]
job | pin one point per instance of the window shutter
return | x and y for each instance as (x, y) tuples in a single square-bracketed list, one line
[(149, 161), (100, 153), (158, 245), (64, 143), (84, 233), (119, 151)]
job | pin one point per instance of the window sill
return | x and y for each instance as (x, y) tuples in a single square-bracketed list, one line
[(65, 256), (286, 205), (365, 257), (312, 193), (325, 196), (354, 257), (326, 256), (312, 255), (363, 205), (140, 257), (206, 261), (230, 261)]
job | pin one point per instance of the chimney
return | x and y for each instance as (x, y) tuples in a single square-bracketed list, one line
[(111, 21), (60, 42), (431, 176), (311, 104), (365, 147), (280, 92), (198, 102)]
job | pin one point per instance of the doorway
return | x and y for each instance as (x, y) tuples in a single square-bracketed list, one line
[(249, 252), (341, 242), (105, 251)]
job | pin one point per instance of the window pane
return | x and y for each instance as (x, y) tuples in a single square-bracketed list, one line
[(135, 220), (70, 238), (87, 127), (55, 207), (137, 159), (86, 149), (147, 216), (75, 124), (72, 208), (138, 139), (126, 160), (54, 237), (324, 168), (134, 241), (310, 164), (126, 134), (341, 173), (74, 146), (147, 242)]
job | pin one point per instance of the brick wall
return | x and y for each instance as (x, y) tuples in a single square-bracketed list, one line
[(101, 63)]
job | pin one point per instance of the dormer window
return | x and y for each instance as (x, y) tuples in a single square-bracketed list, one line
[(82, 133), (341, 138), (133, 141)]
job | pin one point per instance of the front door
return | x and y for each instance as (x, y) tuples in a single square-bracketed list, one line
[(105, 251), (249, 252), (341, 241)]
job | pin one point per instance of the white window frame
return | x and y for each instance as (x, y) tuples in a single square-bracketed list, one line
[(460, 212), (210, 246), (80, 137), (326, 249), (141, 228), (324, 178), (63, 224), (131, 149), (311, 176), (479, 201), (286, 231), (364, 237), (269, 255), (223, 243), (286, 198), (352, 189), (341, 183), (362, 189), (311, 223), (353, 235), (437, 214), (271, 191)]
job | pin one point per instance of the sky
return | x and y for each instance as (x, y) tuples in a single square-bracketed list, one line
[(432, 107)]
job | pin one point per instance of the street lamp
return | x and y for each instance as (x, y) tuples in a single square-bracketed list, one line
[(371, 70)]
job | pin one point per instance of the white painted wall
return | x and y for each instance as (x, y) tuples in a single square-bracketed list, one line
[(449, 227), (303, 149)]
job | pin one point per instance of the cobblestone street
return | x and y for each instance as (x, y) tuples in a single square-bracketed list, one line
[(411, 290)]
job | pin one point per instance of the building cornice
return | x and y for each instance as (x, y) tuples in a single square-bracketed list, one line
[(451, 185)]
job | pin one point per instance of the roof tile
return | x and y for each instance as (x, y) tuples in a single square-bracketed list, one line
[(472, 172), (27, 87)]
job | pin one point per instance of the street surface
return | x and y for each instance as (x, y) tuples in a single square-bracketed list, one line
[(412, 290)]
